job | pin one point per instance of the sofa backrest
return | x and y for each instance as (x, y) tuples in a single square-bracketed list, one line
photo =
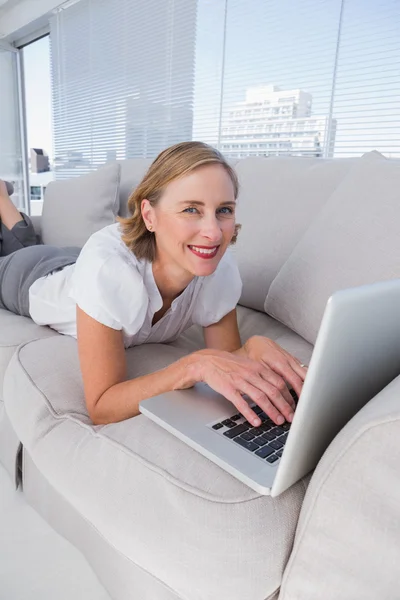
[(352, 241), (279, 204), (279, 197)]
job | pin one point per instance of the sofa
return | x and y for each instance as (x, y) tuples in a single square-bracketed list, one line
[(155, 519)]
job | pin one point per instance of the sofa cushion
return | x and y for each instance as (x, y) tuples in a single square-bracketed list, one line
[(353, 241), (14, 330), (132, 172), (158, 502), (347, 541), (75, 208), (279, 197)]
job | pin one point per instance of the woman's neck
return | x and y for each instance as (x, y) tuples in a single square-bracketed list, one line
[(170, 279)]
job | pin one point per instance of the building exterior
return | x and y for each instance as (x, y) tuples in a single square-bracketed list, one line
[(39, 160), (274, 121)]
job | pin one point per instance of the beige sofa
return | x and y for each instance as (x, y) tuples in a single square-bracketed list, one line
[(155, 519)]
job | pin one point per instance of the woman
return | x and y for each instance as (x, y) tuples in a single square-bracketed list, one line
[(147, 278)]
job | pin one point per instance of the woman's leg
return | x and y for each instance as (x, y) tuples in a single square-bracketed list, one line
[(16, 228), (19, 270)]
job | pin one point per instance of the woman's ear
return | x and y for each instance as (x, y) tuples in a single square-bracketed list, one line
[(235, 235), (147, 212)]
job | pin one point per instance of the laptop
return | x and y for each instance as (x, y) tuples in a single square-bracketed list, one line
[(356, 354)]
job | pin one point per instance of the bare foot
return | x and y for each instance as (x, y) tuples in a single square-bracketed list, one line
[(3, 189), (9, 214)]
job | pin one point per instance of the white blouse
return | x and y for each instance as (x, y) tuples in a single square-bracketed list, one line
[(111, 285)]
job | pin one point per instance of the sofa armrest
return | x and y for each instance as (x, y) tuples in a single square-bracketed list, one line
[(37, 224), (347, 543)]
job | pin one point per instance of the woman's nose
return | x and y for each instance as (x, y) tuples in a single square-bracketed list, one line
[(211, 229)]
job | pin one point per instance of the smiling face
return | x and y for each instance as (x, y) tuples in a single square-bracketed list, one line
[(194, 221)]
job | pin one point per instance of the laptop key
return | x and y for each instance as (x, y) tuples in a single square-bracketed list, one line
[(236, 417), (273, 458), (247, 445), (268, 437), (279, 430), (264, 452), (283, 438), (276, 445), (231, 433), (266, 426), (217, 426), (228, 423), (259, 441), (248, 436)]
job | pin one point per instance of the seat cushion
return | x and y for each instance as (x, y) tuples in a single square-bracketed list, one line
[(14, 330), (157, 501)]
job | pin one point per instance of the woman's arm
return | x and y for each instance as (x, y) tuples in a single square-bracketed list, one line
[(224, 335), (110, 398)]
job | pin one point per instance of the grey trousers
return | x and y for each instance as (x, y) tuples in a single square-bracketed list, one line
[(23, 260)]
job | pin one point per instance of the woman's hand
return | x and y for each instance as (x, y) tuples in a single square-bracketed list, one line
[(233, 376), (271, 355)]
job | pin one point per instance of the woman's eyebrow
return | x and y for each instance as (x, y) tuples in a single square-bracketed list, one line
[(200, 203)]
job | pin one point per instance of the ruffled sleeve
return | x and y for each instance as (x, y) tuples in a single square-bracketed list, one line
[(109, 289)]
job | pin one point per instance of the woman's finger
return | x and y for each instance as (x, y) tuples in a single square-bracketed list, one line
[(242, 406), (267, 397), (276, 380), (284, 369)]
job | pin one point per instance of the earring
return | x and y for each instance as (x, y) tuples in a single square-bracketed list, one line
[(150, 228)]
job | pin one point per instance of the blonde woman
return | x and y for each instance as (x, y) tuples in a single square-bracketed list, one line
[(146, 279)]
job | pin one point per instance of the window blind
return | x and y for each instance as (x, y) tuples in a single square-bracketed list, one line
[(122, 79), (251, 77), (10, 126)]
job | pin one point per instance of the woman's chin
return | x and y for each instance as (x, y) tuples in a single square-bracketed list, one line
[(203, 270)]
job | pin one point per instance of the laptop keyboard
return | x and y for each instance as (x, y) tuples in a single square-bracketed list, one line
[(266, 441)]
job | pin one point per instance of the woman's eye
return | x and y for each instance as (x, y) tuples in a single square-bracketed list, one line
[(227, 208), (190, 209)]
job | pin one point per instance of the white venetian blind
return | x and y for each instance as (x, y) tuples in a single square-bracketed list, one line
[(10, 126), (252, 77), (122, 80)]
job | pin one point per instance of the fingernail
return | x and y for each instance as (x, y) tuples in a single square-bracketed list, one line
[(280, 420), (256, 422), (290, 417)]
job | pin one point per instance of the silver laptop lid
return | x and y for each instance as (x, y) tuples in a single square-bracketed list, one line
[(356, 354)]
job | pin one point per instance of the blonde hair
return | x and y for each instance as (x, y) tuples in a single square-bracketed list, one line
[(170, 164)]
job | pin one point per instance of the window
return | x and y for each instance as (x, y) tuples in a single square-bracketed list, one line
[(10, 126), (36, 192), (36, 57), (129, 79)]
